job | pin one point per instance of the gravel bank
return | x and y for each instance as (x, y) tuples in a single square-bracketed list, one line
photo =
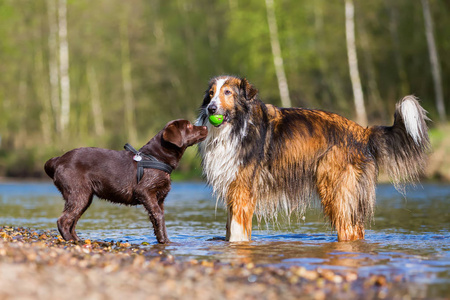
[(40, 265)]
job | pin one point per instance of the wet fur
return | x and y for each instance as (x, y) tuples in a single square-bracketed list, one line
[(267, 159), (84, 172)]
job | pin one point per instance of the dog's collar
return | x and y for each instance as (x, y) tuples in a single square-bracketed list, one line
[(149, 162)]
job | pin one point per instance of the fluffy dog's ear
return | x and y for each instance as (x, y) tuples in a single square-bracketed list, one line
[(248, 90), (206, 98), (173, 135)]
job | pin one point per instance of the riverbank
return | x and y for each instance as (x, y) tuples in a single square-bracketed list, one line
[(41, 265)]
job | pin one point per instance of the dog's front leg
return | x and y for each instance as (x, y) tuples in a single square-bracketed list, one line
[(161, 206), (150, 202), (240, 206)]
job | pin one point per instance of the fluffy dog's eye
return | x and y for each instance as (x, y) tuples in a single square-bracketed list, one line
[(211, 94), (227, 92)]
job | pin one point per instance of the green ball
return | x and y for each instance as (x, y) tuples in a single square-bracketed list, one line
[(216, 120)]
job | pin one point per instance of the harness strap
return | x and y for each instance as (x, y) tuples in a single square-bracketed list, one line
[(152, 165), (150, 162), (147, 156)]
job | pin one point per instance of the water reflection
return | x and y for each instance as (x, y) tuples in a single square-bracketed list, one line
[(343, 255)]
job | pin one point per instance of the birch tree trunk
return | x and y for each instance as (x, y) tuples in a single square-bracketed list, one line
[(130, 123), (276, 52), (434, 60), (53, 63), (64, 64), (361, 116)]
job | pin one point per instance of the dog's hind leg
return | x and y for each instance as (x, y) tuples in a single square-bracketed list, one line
[(76, 204), (347, 192)]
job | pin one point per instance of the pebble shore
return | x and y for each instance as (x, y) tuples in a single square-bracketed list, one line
[(41, 265)]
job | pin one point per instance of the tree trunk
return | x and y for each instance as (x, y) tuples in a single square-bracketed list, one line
[(53, 64), (361, 116), (96, 106), (64, 64), (276, 52), (130, 123), (434, 60)]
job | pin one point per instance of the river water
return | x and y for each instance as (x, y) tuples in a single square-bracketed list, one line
[(409, 237)]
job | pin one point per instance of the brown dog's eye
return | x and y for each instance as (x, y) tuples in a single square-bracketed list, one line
[(227, 92), (211, 94)]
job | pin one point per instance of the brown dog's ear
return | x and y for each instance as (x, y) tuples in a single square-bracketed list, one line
[(173, 135), (248, 90)]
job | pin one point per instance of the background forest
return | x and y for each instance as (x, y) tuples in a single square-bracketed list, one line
[(102, 73)]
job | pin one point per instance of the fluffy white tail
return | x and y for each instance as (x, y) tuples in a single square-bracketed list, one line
[(401, 148)]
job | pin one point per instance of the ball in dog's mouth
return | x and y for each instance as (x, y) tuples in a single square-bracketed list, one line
[(216, 120)]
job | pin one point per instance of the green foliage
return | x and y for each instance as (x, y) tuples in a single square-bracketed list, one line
[(438, 135), (176, 46)]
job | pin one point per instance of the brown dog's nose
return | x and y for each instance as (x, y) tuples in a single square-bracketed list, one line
[(212, 108)]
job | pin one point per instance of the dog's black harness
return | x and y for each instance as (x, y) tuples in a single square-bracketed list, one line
[(149, 162)]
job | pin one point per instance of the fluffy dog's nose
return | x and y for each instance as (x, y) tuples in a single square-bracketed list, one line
[(212, 108)]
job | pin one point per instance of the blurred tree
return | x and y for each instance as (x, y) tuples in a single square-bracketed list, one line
[(361, 115), (276, 52), (434, 60), (137, 64), (64, 79), (53, 63)]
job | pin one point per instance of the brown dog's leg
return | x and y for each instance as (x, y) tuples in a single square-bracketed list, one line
[(150, 202), (74, 208), (161, 206), (240, 206), (347, 192)]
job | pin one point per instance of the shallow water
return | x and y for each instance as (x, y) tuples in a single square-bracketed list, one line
[(408, 239)]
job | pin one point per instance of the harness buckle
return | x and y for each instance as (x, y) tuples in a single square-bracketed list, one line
[(149, 162)]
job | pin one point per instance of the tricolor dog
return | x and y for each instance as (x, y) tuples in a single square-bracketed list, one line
[(264, 159)]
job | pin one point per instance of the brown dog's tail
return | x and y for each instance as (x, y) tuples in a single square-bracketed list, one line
[(401, 149), (49, 166)]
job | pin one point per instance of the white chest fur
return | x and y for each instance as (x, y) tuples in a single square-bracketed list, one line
[(219, 159)]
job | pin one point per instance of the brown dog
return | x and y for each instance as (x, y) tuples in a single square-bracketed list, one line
[(113, 175)]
